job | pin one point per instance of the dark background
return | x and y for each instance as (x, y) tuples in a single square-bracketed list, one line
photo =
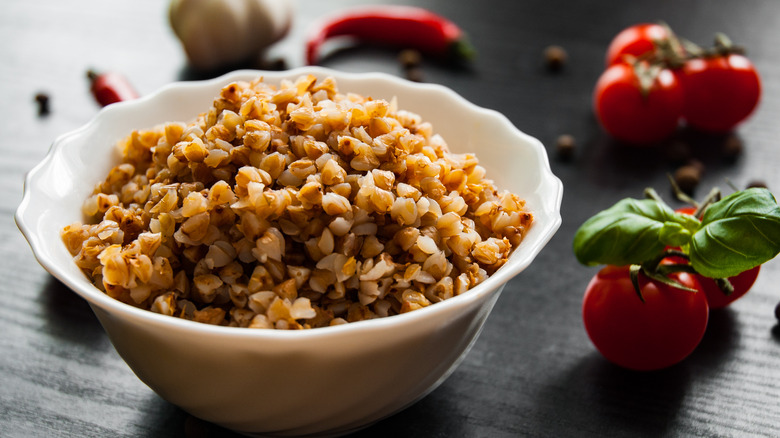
[(533, 371)]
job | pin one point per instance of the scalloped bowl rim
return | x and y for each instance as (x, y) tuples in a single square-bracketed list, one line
[(521, 258)]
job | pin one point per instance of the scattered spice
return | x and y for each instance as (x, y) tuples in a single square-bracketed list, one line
[(42, 99), (410, 58), (687, 177), (555, 57), (777, 311), (565, 147), (732, 147), (110, 87), (757, 183), (697, 164), (393, 26)]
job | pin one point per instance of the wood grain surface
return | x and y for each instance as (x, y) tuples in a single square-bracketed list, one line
[(533, 371)]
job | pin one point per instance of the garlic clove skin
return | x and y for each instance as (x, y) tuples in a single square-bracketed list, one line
[(219, 33)]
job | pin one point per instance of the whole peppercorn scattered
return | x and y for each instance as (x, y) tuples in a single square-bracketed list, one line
[(777, 311), (42, 99), (757, 183), (732, 147), (410, 60), (565, 147), (697, 164), (687, 177), (555, 57)]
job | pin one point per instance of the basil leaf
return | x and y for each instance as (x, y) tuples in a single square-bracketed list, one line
[(737, 233), (630, 232)]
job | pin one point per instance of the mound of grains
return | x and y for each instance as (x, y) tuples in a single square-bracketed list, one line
[(293, 206)]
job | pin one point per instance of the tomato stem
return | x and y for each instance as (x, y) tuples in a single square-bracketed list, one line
[(671, 49), (724, 46), (650, 193), (712, 197), (647, 73), (679, 193)]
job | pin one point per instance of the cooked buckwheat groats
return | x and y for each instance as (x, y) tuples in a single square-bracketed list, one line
[(293, 206)]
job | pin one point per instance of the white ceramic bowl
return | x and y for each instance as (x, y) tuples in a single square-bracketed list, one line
[(324, 381)]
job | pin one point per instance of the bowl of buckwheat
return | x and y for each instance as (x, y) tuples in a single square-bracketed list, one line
[(297, 252)]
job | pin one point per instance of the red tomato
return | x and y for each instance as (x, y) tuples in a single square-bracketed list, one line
[(741, 283), (635, 41), (720, 92), (649, 335), (631, 116)]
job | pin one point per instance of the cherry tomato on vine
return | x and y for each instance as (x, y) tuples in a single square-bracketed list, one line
[(720, 91), (638, 104), (635, 40), (644, 335), (742, 283)]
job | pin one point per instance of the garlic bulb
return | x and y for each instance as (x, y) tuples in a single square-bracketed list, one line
[(218, 33)]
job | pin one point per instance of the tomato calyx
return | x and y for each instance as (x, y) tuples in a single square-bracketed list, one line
[(673, 261), (668, 52), (723, 46), (660, 272), (646, 73), (671, 52)]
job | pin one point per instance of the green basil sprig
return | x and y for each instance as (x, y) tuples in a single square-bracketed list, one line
[(735, 234)]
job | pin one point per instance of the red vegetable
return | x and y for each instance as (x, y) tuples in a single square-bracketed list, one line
[(636, 41), (720, 91), (110, 87), (658, 330), (395, 26), (638, 103)]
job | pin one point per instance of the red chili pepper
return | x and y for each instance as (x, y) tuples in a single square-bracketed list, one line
[(110, 87), (396, 26)]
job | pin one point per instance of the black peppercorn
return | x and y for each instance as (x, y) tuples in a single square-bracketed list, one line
[(555, 57), (756, 183), (732, 147), (565, 146), (409, 58), (687, 177), (42, 99)]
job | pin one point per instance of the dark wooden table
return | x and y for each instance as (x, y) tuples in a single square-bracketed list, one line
[(533, 371)]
